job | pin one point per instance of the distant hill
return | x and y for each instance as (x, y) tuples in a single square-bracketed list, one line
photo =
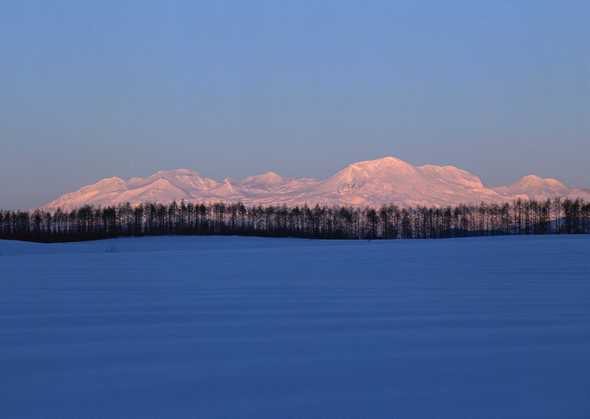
[(368, 183)]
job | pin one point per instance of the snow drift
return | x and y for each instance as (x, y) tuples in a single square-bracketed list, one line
[(221, 327)]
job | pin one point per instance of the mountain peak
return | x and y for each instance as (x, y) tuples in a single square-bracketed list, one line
[(264, 180), (115, 180), (387, 180), (271, 176), (383, 162), (535, 187), (175, 172), (385, 167), (111, 184), (536, 181)]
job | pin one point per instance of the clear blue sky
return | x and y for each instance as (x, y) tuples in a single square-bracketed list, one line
[(92, 89)]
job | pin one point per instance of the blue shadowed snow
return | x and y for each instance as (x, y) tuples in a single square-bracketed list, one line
[(214, 327)]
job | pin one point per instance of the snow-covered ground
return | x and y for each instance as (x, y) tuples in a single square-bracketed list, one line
[(214, 327)]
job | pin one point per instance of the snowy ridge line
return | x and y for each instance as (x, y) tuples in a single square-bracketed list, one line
[(372, 183)]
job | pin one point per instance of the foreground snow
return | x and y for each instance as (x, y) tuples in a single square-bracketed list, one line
[(263, 328)]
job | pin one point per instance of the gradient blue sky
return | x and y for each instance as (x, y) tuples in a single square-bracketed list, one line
[(92, 89)]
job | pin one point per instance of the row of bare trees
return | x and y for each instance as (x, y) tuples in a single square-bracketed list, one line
[(389, 222)]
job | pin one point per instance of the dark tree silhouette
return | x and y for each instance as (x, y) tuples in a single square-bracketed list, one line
[(558, 216)]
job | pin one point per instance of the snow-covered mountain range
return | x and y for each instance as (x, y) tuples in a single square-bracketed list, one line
[(368, 183)]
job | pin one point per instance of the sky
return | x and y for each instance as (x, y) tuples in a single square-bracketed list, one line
[(93, 89)]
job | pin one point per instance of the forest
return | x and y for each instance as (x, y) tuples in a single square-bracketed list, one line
[(556, 216)]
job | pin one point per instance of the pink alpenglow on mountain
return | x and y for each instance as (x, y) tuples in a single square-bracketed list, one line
[(368, 183)]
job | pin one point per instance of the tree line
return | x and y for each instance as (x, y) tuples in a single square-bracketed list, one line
[(557, 216)]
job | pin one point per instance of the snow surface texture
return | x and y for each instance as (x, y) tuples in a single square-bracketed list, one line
[(369, 183), (221, 327)]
